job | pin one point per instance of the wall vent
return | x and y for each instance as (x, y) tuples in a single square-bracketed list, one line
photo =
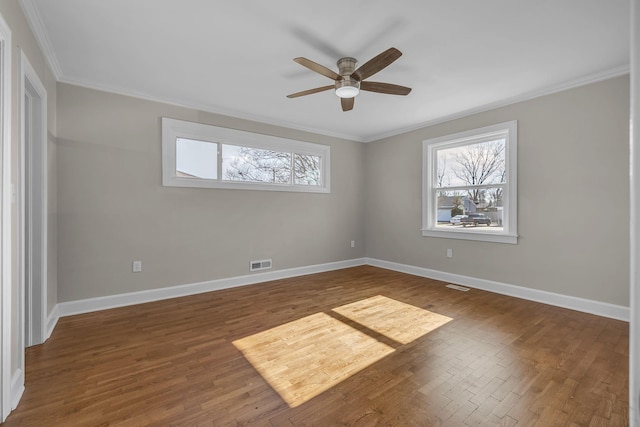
[(457, 288), (264, 264)]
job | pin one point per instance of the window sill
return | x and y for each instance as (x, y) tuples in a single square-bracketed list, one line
[(240, 185), (472, 235)]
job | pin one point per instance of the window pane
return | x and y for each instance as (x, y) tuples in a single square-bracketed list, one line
[(471, 208), (255, 165), (307, 169), (196, 159), (473, 164)]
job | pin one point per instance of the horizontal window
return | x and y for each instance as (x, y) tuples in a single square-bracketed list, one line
[(199, 155)]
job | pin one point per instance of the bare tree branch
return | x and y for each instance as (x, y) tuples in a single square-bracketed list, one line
[(258, 165), (480, 164)]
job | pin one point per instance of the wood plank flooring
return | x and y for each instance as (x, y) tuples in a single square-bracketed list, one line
[(499, 361)]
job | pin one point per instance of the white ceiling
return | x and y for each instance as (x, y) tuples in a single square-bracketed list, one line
[(236, 57)]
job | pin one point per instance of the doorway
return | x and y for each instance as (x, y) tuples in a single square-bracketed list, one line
[(32, 208)]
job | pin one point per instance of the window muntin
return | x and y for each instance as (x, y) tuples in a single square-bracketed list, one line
[(472, 174), (198, 155)]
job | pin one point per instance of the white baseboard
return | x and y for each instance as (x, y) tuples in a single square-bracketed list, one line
[(102, 303), (17, 388), (52, 321), (574, 303)]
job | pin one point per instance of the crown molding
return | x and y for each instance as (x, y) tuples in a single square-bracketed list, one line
[(35, 23), (549, 90), (209, 108), (204, 107)]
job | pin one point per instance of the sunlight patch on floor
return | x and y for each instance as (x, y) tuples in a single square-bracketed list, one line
[(308, 356), (303, 358), (396, 320)]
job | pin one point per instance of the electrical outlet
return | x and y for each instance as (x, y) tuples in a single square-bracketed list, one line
[(137, 266), (353, 243), (449, 253)]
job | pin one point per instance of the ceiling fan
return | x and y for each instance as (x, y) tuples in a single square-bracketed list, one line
[(349, 81)]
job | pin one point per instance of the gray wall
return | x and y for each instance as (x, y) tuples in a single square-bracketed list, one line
[(113, 209), (573, 197)]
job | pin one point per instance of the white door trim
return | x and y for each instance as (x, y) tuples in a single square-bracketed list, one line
[(5, 220), (634, 285), (32, 215)]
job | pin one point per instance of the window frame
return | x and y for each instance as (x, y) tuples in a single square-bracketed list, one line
[(430, 147), (173, 129)]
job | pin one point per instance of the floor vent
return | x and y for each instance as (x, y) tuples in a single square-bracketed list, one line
[(457, 288), (264, 264)]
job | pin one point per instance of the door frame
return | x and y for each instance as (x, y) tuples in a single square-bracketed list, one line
[(6, 195), (32, 213), (634, 233)]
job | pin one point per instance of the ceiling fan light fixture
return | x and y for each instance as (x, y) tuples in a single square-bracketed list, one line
[(347, 91), (348, 87)]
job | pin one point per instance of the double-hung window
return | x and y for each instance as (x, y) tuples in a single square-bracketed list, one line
[(469, 185), (199, 155)]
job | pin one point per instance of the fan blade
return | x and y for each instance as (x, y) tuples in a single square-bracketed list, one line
[(347, 103), (320, 69), (310, 91), (376, 64), (389, 88)]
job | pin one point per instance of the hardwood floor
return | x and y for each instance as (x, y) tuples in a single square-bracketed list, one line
[(497, 361)]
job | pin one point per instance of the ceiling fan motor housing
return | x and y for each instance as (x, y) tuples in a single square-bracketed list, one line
[(347, 87)]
